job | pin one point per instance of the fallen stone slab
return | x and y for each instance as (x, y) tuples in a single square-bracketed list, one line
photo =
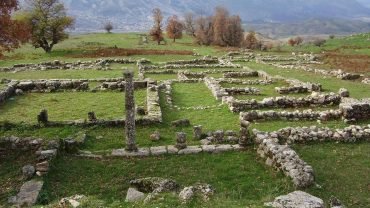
[(28, 194), (142, 152), (161, 150), (209, 148), (296, 199), (133, 195), (172, 149), (223, 148), (190, 150)]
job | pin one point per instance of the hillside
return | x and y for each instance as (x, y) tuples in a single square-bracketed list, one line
[(136, 15)]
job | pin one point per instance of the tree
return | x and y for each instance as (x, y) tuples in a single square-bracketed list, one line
[(204, 31), (156, 32), (219, 25), (251, 41), (292, 42), (298, 40), (48, 21), (319, 42), (234, 33), (108, 26), (174, 28), (12, 32), (189, 24)]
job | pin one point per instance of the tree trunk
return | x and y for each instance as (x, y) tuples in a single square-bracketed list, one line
[(174, 40)]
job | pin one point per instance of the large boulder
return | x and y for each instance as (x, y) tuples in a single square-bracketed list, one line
[(133, 195), (296, 199)]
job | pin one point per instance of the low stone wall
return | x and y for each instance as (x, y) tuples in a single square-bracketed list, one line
[(241, 74), (354, 110), (297, 86), (244, 82), (243, 91), (283, 158), (291, 115), (274, 58), (50, 86), (153, 105), (120, 85), (217, 91), (205, 60), (99, 64), (13, 143), (282, 102), (333, 73), (188, 66), (173, 150), (323, 134)]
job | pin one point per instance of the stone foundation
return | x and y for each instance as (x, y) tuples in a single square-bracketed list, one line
[(282, 102), (283, 158)]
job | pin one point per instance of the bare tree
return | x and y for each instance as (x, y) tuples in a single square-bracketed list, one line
[(108, 26), (189, 24), (174, 28), (204, 31), (156, 32), (298, 40), (234, 32), (219, 25)]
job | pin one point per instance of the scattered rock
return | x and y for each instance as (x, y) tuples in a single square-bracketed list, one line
[(133, 195), (28, 171), (186, 194), (343, 92), (296, 199), (181, 123), (73, 201), (156, 136), (152, 184)]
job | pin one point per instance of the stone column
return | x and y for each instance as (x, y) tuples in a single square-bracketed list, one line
[(130, 112), (197, 131)]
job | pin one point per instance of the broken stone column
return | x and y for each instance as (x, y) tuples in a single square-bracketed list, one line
[(130, 112), (42, 117), (180, 140), (197, 131), (219, 136), (91, 116), (244, 139)]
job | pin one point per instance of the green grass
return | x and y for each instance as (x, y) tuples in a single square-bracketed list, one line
[(67, 105), (240, 179), (81, 44), (342, 170), (240, 183), (192, 95), (330, 84), (117, 71), (161, 77), (266, 91)]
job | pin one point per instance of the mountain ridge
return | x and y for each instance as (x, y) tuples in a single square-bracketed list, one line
[(128, 15)]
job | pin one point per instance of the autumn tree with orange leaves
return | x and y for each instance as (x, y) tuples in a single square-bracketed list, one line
[(174, 28), (12, 32), (156, 32)]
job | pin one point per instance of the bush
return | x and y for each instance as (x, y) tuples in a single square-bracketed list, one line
[(319, 42)]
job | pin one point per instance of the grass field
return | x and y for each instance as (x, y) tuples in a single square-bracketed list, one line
[(241, 179), (66, 106)]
